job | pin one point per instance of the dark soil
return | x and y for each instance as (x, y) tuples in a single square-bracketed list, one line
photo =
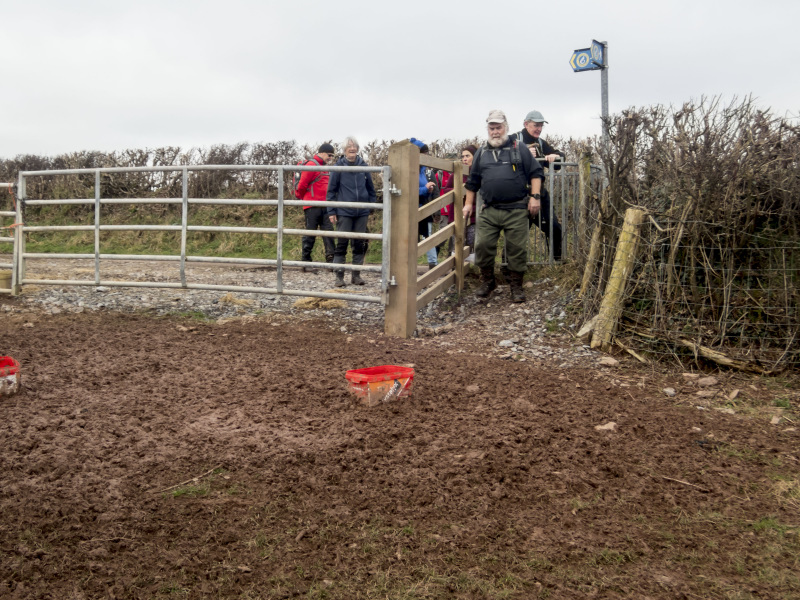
[(165, 458)]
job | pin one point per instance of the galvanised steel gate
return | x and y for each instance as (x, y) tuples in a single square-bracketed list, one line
[(185, 227)]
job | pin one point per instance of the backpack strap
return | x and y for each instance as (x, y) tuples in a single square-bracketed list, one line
[(317, 178)]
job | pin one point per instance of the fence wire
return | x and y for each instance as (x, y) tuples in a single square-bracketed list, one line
[(739, 301)]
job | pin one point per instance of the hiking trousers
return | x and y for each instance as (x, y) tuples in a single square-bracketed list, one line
[(315, 218), (514, 226)]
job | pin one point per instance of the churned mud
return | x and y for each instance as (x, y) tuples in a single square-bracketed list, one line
[(162, 457)]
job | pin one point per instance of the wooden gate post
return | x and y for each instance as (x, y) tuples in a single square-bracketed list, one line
[(461, 225), (400, 318)]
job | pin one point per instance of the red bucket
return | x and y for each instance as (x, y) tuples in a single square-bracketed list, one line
[(9, 376), (373, 385)]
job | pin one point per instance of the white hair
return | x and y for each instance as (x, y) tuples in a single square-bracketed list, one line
[(348, 141)]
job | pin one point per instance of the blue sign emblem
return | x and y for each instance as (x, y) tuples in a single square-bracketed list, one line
[(581, 60)]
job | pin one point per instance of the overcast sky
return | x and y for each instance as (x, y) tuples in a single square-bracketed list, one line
[(111, 75)]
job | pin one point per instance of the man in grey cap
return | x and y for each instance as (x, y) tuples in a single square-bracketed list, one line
[(509, 180), (547, 156)]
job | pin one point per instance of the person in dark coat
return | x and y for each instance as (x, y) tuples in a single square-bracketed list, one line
[(509, 179), (547, 156), (355, 186), (426, 188)]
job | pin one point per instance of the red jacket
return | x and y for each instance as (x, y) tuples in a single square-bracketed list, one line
[(446, 186), (313, 185)]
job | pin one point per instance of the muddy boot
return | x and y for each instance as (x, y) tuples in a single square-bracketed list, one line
[(357, 278), (431, 266), (487, 283), (339, 279), (515, 281), (329, 258)]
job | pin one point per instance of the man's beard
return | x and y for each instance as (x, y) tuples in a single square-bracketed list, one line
[(497, 142)]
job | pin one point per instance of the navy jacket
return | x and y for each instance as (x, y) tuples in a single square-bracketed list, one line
[(350, 187)]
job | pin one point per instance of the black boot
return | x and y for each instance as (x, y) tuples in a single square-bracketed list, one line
[(488, 284), (515, 282), (329, 258), (339, 279), (357, 278)]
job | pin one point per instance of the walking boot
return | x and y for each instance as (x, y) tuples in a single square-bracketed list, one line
[(515, 282), (329, 258), (357, 278), (339, 279), (488, 283)]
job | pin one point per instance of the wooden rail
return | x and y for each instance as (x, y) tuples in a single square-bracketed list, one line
[(405, 298)]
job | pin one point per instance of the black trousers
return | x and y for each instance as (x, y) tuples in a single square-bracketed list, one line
[(315, 219), (542, 221)]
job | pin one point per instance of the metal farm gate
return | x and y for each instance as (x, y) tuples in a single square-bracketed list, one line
[(185, 227)]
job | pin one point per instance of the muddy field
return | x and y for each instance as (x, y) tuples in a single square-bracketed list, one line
[(162, 457)]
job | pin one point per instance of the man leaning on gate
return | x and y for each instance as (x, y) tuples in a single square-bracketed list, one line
[(531, 136), (510, 180)]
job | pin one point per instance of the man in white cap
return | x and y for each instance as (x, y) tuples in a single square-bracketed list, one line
[(510, 181), (547, 156)]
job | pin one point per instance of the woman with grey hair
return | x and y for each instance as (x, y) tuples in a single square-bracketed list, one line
[(350, 186)]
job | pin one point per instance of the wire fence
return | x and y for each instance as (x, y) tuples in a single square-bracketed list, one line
[(702, 300)]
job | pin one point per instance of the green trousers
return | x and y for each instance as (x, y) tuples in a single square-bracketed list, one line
[(514, 225)]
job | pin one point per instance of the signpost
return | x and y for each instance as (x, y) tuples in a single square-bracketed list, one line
[(595, 58)]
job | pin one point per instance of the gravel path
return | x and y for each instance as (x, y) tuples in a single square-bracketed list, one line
[(537, 330)]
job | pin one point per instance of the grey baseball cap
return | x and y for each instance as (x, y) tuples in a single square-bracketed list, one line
[(535, 116)]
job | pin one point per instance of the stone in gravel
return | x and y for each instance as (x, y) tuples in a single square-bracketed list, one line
[(707, 381), (505, 343), (607, 361), (707, 393), (669, 392)]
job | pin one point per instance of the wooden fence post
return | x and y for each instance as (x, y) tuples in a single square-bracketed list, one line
[(594, 246), (400, 318), (624, 259)]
